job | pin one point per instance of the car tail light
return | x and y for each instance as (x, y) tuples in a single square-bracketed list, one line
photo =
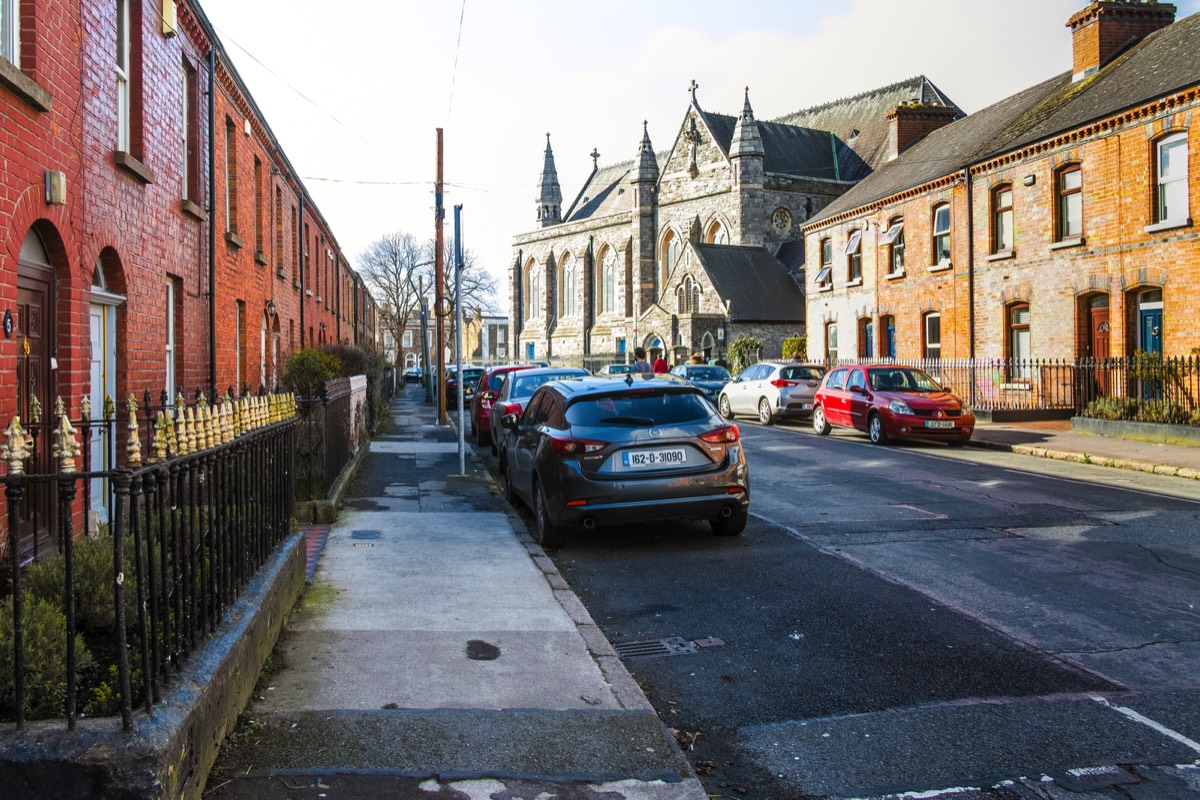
[(567, 446), (512, 408), (726, 434), (781, 383)]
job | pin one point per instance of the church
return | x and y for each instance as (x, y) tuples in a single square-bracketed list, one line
[(682, 250)]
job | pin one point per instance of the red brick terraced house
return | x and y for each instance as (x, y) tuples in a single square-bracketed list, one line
[(1054, 224), (150, 241)]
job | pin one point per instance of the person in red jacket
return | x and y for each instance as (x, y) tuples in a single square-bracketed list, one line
[(660, 365)]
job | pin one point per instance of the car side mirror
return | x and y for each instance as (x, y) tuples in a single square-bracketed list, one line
[(857, 390), (946, 388), (487, 395), (510, 422)]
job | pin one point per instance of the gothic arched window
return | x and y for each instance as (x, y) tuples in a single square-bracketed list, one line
[(672, 249), (608, 281), (567, 284)]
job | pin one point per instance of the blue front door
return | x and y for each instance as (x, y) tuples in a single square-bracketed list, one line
[(529, 351), (1152, 330)]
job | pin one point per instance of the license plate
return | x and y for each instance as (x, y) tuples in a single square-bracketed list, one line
[(651, 459), (805, 406), (939, 423)]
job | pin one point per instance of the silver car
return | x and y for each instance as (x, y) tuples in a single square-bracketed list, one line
[(772, 390), (615, 369), (611, 451)]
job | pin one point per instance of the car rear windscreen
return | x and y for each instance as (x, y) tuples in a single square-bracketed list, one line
[(801, 373), (525, 385), (639, 408), (707, 374)]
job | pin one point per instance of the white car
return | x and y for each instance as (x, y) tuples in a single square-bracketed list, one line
[(771, 390)]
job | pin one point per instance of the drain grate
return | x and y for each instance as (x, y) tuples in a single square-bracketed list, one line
[(652, 648), (364, 535)]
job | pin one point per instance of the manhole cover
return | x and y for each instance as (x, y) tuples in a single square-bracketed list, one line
[(650, 648), (364, 535)]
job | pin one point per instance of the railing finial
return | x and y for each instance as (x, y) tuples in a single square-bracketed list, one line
[(66, 449), (16, 447), (133, 450), (85, 408)]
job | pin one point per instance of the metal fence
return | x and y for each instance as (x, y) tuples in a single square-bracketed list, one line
[(191, 521), (1141, 387), (328, 437), (592, 362)]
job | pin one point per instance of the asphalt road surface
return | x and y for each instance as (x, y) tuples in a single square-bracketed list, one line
[(917, 619)]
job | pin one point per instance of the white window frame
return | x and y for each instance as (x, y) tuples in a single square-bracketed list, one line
[(831, 337), (1065, 199), (895, 233), (169, 383), (569, 286), (239, 314), (10, 31), (941, 233), (930, 345), (608, 269), (408, 339), (1002, 219), (853, 253), (1163, 213), (185, 131), (825, 275), (121, 68)]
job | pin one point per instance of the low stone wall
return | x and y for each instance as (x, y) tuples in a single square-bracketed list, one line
[(1139, 431), (169, 753)]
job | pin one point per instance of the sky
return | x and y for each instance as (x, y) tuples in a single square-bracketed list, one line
[(355, 91)]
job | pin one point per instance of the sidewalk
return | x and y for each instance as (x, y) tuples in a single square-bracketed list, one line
[(1056, 440), (438, 652)]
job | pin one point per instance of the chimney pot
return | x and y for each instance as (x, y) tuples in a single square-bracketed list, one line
[(1106, 27)]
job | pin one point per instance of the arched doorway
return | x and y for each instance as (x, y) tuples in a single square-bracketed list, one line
[(36, 334), (707, 346), (102, 323)]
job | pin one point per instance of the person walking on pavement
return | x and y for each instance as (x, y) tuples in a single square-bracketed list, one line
[(661, 366), (640, 364)]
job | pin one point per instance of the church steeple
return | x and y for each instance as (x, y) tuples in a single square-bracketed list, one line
[(746, 139), (647, 165), (549, 192)]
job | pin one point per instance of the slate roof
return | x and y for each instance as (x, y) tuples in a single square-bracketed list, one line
[(792, 150), (1156, 66), (791, 255), (867, 114), (754, 280)]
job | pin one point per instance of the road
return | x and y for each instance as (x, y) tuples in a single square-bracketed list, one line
[(919, 619)]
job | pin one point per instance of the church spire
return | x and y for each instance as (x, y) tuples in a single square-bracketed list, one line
[(746, 139), (647, 164), (549, 192)]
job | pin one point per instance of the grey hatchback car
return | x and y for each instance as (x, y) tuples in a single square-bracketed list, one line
[(607, 451)]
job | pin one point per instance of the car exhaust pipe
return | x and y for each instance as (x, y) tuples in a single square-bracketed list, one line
[(726, 512), (589, 523)]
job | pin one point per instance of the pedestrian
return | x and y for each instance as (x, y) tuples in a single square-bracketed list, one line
[(697, 358), (640, 364), (661, 366)]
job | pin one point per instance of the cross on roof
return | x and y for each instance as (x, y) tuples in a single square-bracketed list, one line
[(692, 88), (595, 154)]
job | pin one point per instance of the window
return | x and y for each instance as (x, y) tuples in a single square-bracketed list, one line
[(671, 251), (608, 278), (894, 241), (171, 313), (568, 285), (831, 342), (1018, 341), (716, 233), (1171, 190), (941, 233), (279, 229), (1070, 202), (230, 177), (295, 249), (122, 72), (854, 257), (857, 380), (933, 336), (837, 379), (10, 32), (824, 277), (1002, 219), (185, 133), (688, 295), (866, 338), (533, 291), (239, 342), (408, 339), (258, 207), (887, 336)]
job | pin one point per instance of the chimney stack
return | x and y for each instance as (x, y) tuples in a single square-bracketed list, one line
[(911, 122), (1106, 27)]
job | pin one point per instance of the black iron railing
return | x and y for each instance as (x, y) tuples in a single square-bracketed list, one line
[(190, 523), (328, 436)]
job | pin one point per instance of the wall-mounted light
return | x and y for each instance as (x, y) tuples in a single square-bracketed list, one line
[(246, 126), (1030, 180), (271, 308), (56, 188), (170, 18)]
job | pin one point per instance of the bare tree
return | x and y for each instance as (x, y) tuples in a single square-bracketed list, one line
[(391, 266), (478, 286)]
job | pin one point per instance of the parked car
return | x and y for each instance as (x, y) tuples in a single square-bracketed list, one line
[(889, 402), (615, 369), (710, 380), (413, 375), (772, 390), (486, 392), (515, 393), (604, 451), (470, 381)]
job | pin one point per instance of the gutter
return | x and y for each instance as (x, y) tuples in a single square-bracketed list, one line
[(212, 222)]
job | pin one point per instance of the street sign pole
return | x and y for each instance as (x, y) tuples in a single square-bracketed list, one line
[(458, 338)]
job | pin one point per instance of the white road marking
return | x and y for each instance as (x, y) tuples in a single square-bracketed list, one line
[(1158, 726)]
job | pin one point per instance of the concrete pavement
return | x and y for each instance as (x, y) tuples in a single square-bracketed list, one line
[(438, 652)]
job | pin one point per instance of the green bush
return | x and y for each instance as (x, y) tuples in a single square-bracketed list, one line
[(95, 611), (45, 648), (368, 362), (1137, 410), (743, 351), (795, 347), (308, 370)]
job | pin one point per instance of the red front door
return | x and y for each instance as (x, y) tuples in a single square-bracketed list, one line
[(1098, 343), (35, 378)]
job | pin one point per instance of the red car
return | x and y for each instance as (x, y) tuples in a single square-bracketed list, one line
[(891, 402), (485, 394)]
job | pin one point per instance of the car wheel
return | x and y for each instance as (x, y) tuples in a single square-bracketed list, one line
[(548, 534), (875, 430), (820, 424), (510, 494), (764, 412), (732, 525), (958, 442), (723, 407), (492, 439)]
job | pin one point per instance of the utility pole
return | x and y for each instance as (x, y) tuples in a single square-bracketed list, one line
[(458, 323), (439, 290)]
